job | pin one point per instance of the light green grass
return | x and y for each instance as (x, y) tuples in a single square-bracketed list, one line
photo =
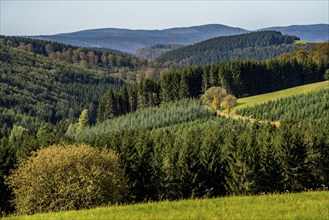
[(258, 99), (301, 42), (307, 205)]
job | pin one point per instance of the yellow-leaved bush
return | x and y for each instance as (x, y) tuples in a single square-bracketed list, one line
[(67, 177)]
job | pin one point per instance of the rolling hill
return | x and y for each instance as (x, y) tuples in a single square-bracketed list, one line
[(37, 88), (130, 41), (273, 96), (312, 205), (255, 45)]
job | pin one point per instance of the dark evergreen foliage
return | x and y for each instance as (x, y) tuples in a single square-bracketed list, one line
[(314, 105), (255, 45), (75, 55), (240, 78), (171, 150), (208, 156), (39, 98)]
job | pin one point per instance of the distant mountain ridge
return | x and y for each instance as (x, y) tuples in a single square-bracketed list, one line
[(129, 41), (312, 33)]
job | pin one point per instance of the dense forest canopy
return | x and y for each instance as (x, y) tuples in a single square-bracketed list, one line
[(36, 88), (211, 156), (71, 54)]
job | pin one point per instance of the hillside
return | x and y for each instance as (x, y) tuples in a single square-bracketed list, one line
[(91, 57), (168, 157), (255, 45), (36, 89), (307, 205), (275, 107), (310, 33), (273, 96), (186, 110), (314, 105), (179, 150), (240, 78)]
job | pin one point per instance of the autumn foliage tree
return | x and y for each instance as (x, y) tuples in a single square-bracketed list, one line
[(213, 97), (217, 97), (70, 177), (229, 102)]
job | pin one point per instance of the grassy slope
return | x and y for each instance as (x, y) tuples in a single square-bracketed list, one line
[(301, 42), (258, 99), (308, 205)]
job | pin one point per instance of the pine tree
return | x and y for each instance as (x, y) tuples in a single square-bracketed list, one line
[(83, 120), (183, 89), (45, 136)]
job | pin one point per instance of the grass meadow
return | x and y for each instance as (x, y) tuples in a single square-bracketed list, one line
[(306, 205), (258, 99)]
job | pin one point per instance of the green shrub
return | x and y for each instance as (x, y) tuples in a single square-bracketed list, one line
[(67, 177)]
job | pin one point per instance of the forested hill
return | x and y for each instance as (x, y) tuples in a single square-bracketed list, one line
[(85, 57), (36, 89), (255, 45), (312, 33)]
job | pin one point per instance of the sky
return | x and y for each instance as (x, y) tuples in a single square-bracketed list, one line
[(38, 17)]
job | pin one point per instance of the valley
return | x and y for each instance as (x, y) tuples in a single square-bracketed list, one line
[(211, 122)]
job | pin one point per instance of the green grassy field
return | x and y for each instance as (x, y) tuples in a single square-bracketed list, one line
[(258, 99), (307, 205), (301, 42)]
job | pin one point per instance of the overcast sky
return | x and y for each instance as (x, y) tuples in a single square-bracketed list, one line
[(37, 17)]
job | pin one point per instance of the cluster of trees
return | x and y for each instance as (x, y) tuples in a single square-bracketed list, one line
[(89, 58), (66, 177), (255, 45), (217, 98), (318, 53), (314, 105), (167, 114)]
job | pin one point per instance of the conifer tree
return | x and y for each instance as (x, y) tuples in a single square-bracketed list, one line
[(83, 120), (183, 88)]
